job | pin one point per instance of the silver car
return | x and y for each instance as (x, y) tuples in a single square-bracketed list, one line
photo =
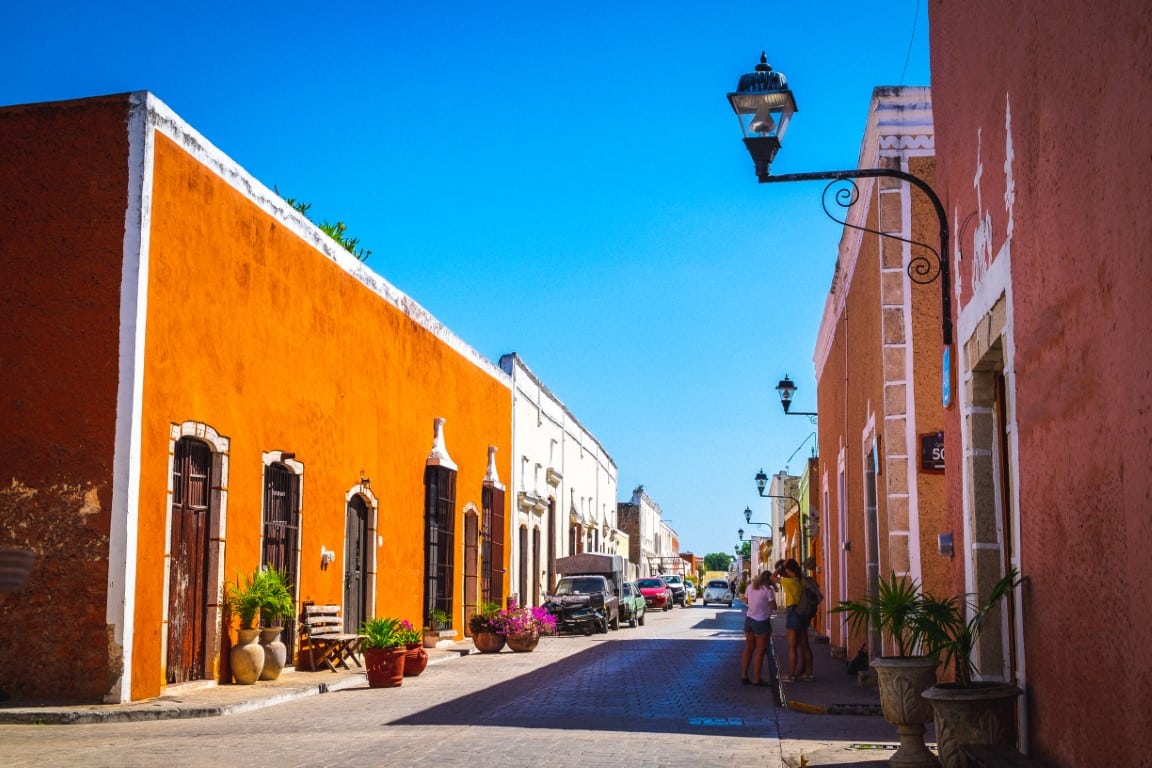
[(718, 591)]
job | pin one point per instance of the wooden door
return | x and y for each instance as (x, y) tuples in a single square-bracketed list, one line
[(355, 564), (188, 565)]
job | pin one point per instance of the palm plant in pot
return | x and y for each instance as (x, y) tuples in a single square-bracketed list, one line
[(897, 610), (275, 605), (246, 657), (968, 711), (384, 652)]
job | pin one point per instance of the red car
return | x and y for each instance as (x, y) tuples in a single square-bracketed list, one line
[(657, 593)]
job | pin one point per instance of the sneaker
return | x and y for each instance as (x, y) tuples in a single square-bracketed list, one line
[(787, 679)]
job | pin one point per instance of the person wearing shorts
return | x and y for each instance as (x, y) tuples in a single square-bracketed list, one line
[(761, 601), (799, 652)]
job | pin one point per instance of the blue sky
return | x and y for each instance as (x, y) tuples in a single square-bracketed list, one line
[(561, 180)]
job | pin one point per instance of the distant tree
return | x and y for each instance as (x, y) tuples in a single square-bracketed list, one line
[(717, 561)]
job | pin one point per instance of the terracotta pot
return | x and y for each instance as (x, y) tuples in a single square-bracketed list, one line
[(385, 666), (902, 680), (488, 642), (523, 643), (275, 652), (984, 713), (416, 659), (246, 657)]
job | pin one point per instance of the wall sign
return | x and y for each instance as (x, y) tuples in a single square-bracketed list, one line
[(932, 452)]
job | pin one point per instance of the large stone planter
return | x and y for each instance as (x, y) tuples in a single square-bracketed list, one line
[(902, 681), (275, 653), (246, 657), (524, 643), (984, 713)]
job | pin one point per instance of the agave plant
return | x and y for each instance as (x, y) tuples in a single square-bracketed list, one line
[(382, 633)]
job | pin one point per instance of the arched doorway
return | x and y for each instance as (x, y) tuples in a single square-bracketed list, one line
[(189, 554)]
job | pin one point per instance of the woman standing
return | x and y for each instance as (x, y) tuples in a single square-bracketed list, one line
[(761, 601), (799, 652)]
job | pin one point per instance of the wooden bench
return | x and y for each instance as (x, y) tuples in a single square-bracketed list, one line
[(991, 756), (323, 639)]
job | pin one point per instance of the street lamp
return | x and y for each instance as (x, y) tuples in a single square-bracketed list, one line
[(786, 389), (764, 104)]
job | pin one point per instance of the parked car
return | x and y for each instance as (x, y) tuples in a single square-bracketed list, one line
[(676, 584), (690, 592), (718, 591), (633, 606), (657, 593)]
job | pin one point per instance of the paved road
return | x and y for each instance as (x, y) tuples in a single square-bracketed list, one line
[(666, 694)]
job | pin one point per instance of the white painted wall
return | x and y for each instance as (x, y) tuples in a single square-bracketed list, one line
[(554, 459)]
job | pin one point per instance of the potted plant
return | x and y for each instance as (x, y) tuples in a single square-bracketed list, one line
[(523, 626), (246, 657), (275, 604), (438, 628), (897, 610), (384, 652), (416, 658), (968, 711), (487, 628)]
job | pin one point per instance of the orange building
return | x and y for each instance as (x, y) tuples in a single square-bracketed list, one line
[(882, 505), (198, 382)]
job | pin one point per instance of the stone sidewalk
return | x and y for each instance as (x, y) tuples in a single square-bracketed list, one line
[(209, 699)]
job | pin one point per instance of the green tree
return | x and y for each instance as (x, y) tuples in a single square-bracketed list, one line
[(717, 561)]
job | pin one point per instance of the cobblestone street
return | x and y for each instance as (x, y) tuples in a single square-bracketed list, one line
[(661, 695)]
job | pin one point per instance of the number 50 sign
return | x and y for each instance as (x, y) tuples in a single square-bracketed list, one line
[(932, 452)]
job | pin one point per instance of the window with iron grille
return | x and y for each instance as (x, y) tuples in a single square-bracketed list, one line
[(492, 531), (439, 525), (282, 530)]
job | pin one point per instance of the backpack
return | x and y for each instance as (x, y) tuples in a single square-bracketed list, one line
[(810, 598)]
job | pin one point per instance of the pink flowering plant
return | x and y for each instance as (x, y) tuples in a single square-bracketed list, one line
[(409, 635), (526, 621)]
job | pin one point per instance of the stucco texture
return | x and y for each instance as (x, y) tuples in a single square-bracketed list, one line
[(1044, 122), (254, 333)]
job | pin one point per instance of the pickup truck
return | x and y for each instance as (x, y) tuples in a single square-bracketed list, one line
[(587, 597)]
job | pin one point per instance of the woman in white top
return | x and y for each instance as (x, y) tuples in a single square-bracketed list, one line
[(761, 601)]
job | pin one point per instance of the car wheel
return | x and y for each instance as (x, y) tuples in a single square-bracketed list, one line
[(642, 619)]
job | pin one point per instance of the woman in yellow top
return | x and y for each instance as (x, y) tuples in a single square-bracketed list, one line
[(799, 652)]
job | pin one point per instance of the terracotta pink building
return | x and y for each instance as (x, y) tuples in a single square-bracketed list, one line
[(1043, 116)]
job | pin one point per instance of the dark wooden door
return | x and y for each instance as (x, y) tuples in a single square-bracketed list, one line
[(355, 563), (188, 569)]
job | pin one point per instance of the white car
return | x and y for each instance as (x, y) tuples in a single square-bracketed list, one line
[(718, 591), (690, 589)]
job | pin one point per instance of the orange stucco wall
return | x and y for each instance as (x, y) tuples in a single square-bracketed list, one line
[(254, 333), (63, 193)]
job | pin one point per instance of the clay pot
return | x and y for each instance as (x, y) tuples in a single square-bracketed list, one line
[(246, 657), (385, 666), (416, 659), (275, 652), (488, 642)]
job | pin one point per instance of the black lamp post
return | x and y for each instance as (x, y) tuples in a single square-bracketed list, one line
[(761, 487), (786, 388), (764, 104)]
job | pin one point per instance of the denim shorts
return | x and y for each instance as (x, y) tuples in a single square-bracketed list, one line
[(795, 620), (758, 627)]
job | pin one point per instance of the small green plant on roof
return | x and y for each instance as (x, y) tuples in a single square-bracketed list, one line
[(337, 231)]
